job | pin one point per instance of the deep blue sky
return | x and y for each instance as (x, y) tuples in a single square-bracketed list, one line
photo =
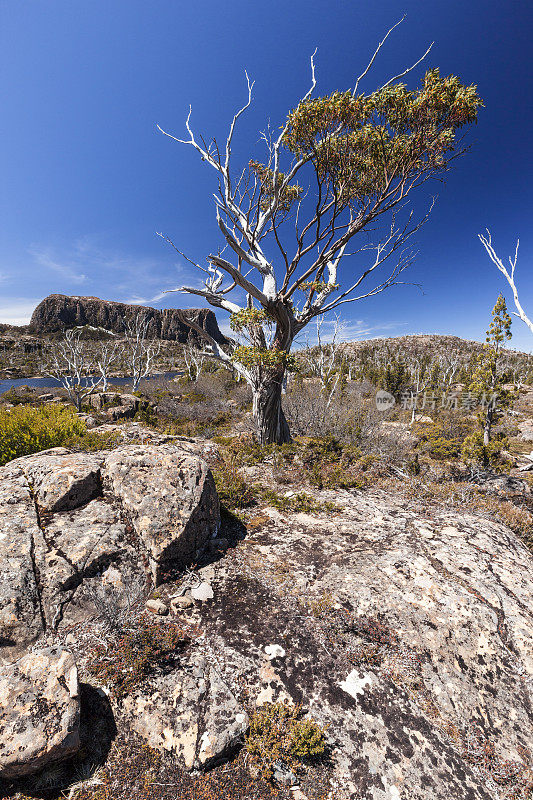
[(87, 180)]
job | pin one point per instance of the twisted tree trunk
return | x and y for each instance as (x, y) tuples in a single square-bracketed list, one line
[(272, 427)]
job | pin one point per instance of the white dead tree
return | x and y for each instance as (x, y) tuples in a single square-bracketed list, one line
[(342, 165), (194, 359), (140, 352), (508, 273), (73, 362), (324, 360), (109, 356), (421, 377), (449, 365)]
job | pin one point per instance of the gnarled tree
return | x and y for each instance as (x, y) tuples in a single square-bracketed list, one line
[(344, 164)]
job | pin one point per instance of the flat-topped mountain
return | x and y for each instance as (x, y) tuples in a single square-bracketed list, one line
[(58, 312)]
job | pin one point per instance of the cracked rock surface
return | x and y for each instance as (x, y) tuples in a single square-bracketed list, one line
[(405, 632), (72, 522), (39, 711), (408, 637), (191, 712)]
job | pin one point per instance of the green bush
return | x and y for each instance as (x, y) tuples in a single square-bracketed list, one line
[(277, 734), (475, 453), (301, 502), (26, 429), (233, 491), (444, 439)]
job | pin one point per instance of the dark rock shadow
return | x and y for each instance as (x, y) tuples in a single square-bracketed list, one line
[(232, 529)]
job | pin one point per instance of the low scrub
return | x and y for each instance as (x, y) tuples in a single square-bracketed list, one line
[(444, 439), (27, 429), (279, 735), (125, 662), (233, 490)]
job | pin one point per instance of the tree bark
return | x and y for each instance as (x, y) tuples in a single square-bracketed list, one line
[(272, 427), (487, 428)]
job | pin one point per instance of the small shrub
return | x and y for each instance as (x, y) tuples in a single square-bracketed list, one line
[(277, 734), (444, 439), (128, 660), (26, 429), (20, 396), (91, 441), (477, 454), (233, 491), (301, 502)]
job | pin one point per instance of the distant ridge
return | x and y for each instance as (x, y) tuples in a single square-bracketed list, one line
[(59, 312)]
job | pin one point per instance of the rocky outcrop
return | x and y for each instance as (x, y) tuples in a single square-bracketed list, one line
[(58, 312), (191, 713), (39, 712), (403, 630), (118, 406), (406, 634), (70, 523)]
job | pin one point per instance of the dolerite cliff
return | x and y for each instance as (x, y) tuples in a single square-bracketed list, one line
[(58, 312)]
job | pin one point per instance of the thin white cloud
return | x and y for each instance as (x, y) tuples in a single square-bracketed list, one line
[(350, 330), (108, 272), (17, 311), (67, 268)]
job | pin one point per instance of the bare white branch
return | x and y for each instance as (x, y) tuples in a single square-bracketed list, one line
[(376, 51), (486, 241)]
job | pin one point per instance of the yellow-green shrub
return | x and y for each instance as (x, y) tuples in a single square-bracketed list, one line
[(26, 429), (278, 734)]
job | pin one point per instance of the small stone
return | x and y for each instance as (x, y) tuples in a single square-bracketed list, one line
[(202, 592), (70, 639), (156, 607), (179, 603), (274, 651), (284, 776)]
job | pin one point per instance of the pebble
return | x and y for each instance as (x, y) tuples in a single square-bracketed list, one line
[(202, 592), (157, 607)]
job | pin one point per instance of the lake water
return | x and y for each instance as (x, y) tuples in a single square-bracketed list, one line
[(50, 383)]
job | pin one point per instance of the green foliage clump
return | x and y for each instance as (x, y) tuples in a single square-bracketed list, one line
[(18, 397), (444, 439), (233, 491), (263, 357), (124, 663), (27, 429), (357, 142), (286, 194), (91, 441), (248, 317), (300, 502), (476, 453), (279, 735)]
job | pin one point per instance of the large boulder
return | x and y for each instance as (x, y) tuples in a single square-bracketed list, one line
[(170, 498), (70, 523), (39, 712)]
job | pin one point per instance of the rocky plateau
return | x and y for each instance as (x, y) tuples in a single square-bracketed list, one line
[(405, 634)]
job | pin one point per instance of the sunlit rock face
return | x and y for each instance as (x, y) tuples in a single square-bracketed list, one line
[(58, 312)]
